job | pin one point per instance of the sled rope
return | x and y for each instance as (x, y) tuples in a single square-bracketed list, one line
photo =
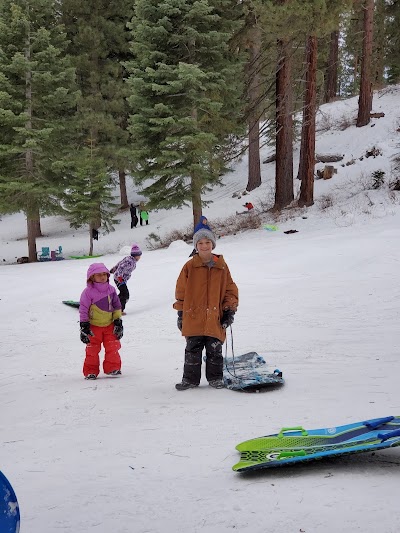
[(233, 355), (233, 373)]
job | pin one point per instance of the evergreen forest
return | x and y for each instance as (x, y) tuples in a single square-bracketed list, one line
[(169, 93)]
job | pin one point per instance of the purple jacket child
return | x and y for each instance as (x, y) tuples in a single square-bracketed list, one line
[(100, 323), (99, 303), (122, 272)]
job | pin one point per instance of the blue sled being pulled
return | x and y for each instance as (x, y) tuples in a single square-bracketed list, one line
[(249, 373)]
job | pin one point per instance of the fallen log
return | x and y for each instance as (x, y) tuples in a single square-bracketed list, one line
[(328, 158), (269, 159)]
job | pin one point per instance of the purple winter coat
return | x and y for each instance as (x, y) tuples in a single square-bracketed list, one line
[(123, 270), (99, 303)]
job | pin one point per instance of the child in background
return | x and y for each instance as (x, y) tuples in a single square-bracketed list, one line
[(122, 272), (144, 217), (202, 224), (206, 301), (100, 322)]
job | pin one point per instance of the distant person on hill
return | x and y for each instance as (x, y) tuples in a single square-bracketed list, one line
[(206, 301), (144, 217), (202, 224), (122, 272), (100, 323), (249, 206), (134, 217)]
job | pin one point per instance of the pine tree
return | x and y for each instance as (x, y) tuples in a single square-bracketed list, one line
[(253, 72), (89, 192), (365, 99), (393, 41), (37, 97), (99, 38), (380, 38), (185, 97)]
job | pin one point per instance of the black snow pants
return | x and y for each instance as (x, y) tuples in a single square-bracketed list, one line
[(123, 293), (193, 353)]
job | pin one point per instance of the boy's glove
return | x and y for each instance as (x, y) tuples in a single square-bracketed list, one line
[(86, 332), (118, 328), (179, 320), (228, 316)]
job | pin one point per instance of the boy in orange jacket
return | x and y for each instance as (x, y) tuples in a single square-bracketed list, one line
[(206, 300)]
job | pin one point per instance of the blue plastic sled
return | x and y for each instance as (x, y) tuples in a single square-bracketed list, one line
[(249, 373), (293, 445), (9, 508)]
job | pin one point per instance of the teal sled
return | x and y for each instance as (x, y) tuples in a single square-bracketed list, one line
[(71, 303), (294, 445), (9, 508), (249, 373)]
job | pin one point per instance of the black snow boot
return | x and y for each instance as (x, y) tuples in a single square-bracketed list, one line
[(217, 383), (184, 385)]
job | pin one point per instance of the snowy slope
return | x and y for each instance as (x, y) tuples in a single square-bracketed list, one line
[(133, 455)]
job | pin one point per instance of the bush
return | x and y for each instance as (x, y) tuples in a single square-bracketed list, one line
[(394, 185), (325, 201), (220, 227), (378, 179)]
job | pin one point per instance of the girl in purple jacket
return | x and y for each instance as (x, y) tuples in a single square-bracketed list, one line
[(100, 322), (122, 272)]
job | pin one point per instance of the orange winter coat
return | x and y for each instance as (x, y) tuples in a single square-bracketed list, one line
[(203, 293)]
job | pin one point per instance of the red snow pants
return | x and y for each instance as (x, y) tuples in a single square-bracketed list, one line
[(112, 361)]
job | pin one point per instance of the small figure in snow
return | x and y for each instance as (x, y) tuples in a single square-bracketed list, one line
[(206, 301), (122, 272), (144, 217), (100, 323), (134, 217), (202, 224), (249, 206)]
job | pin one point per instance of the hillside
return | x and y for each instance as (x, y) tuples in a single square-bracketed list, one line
[(343, 200), (132, 454)]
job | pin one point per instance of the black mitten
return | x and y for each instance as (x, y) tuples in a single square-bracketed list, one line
[(86, 332), (228, 316), (118, 328), (179, 320)]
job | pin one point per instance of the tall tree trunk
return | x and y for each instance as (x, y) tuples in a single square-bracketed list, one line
[(356, 64), (91, 228), (38, 230), (31, 233), (254, 168), (254, 95), (95, 222), (331, 80), (196, 200), (122, 189), (195, 186), (284, 127), (379, 41), (365, 98), (307, 153), (31, 210)]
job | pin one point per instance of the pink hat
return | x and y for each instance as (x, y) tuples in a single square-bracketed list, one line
[(97, 268)]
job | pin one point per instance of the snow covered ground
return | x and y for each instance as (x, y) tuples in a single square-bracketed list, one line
[(132, 454)]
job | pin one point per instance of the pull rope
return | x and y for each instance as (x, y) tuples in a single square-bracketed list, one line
[(233, 355)]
